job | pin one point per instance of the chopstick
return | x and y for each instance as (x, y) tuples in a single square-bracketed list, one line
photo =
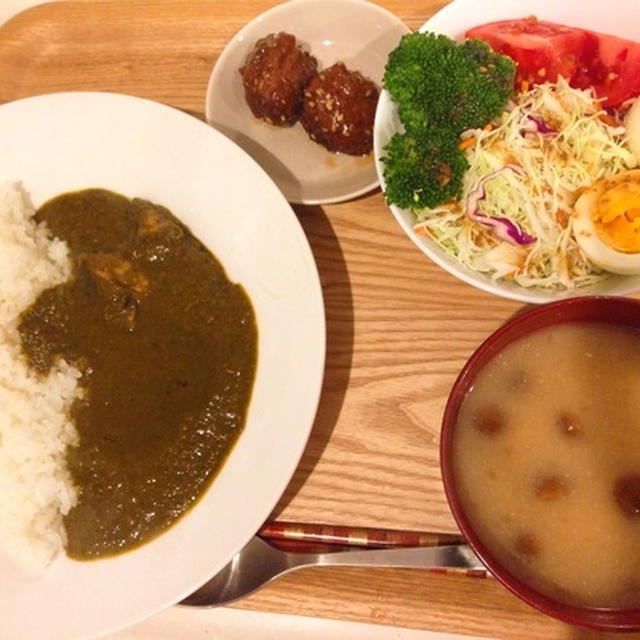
[(318, 538), (372, 538)]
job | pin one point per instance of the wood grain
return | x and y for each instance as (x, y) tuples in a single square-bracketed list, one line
[(398, 328), (418, 600), (159, 49)]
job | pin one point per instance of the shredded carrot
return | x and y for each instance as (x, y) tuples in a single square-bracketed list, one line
[(466, 143), (487, 127), (607, 119), (421, 231), (524, 86), (561, 218)]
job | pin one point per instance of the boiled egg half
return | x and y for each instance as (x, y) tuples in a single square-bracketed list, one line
[(606, 223)]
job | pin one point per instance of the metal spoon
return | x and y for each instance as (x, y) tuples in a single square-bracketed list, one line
[(258, 563)]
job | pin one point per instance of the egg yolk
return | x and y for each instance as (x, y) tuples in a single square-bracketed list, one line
[(617, 216)]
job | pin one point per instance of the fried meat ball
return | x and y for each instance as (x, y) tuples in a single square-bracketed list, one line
[(274, 75), (338, 110)]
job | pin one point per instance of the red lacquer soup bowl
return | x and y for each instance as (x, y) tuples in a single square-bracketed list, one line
[(616, 311)]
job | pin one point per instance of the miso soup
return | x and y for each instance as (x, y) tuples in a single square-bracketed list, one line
[(546, 460)]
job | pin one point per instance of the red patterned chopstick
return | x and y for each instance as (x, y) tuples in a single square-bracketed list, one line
[(354, 536), (317, 538)]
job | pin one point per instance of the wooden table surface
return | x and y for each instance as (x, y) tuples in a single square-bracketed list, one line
[(398, 327)]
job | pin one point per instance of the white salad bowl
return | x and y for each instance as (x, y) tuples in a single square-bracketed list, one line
[(618, 17)]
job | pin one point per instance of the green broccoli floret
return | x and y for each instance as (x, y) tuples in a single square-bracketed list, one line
[(423, 171), (441, 88), (439, 82)]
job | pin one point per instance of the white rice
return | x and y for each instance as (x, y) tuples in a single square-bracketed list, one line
[(35, 486)]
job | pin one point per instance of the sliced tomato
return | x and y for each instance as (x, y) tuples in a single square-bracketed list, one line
[(610, 65), (543, 50)]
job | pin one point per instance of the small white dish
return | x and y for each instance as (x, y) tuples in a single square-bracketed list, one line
[(356, 32), (618, 17)]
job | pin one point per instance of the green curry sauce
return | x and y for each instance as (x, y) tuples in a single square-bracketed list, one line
[(167, 349)]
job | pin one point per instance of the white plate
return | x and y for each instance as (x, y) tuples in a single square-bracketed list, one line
[(618, 17), (358, 33), (66, 141)]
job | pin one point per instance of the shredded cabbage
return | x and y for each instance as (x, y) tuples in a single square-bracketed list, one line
[(563, 141)]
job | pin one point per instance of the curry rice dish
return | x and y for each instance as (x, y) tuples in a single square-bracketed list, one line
[(166, 348)]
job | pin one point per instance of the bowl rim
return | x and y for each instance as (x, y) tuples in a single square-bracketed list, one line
[(605, 309)]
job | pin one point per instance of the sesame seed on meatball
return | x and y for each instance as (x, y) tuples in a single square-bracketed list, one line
[(338, 110), (274, 75)]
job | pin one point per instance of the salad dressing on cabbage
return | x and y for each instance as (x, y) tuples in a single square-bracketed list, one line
[(561, 142)]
